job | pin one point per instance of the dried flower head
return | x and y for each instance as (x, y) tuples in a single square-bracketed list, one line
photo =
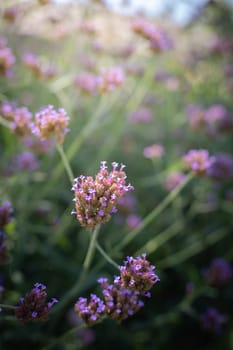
[(51, 123), (90, 312), (96, 199), (33, 306), (138, 274)]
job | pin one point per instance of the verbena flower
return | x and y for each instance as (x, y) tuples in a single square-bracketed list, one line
[(7, 59), (133, 221), (138, 274), (33, 307), (120, 302), (87, 82), (218, 273), (91, 311), (21, 121), (96, 199), (5, 214), (110, 79), (51, 123), (154, 151), (198, 161), (212, 321), (221, 167), (173, 180)]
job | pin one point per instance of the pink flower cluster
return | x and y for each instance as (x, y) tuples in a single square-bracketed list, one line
[(110, 79), (87, 82), (51, 123), (96, 199), (198, 161), (154, 151), (38, 69), (19, 117), (7, 59)]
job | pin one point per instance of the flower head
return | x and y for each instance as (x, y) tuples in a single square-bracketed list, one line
[(154, 151), (33, 306), (221, 167), (96, 199), (51, 123), (90, 312), (7, 59), (219, 272), (120, 303), (212, 320), (198, 161), (110, 79), (138, 274)]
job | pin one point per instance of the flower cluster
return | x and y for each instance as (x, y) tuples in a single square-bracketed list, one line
[(219, 272), (87, 83), (173, 180), (110, 79), (154, 151), (138, 275), (212, 321), (121, 299), (142, 115), (90, 312), (221, 167), (96, 199), (33, 307), (51, 123), (7, 59), (38, 69), (158, 40), (198, 161)]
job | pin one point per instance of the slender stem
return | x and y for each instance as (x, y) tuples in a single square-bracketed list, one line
[(154, 213), (66, 163), (106, 256), (4, 306), (91, 249), (87, 261)]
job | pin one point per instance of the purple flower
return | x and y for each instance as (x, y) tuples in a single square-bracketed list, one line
[(219, 272), (212, 321), (96, 199), (51, 123), (198, 161), (5, 214), (3, 251), (221, 167), (173, 180), (132, 221), (138, 274), (7, 59), (142, 115), (91, 311), (120, 302), (33, 307)]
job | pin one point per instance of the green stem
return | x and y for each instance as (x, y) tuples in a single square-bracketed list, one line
[(154, 213), (4, 306), (91, 249), (66, 163), (106, 256)]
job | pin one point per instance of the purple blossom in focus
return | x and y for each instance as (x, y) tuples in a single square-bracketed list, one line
[(33, 307), (96, 199), (91, 311)]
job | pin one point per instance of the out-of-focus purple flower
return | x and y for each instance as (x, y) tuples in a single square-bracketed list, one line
[(196, 116), (39, 146), (142, 115), (221, 167), (173, 180), (212, 321), (127, 203), (95, 200), (219, 272), (120, 302), (198, 161), (3, 251), (21, 122), (7, 110), (6, 212), (51, 123), (38, 69), (138, 274), (91, 311), (189, 288), (110, 79), (133, 221), (154, 151), (86, 335), (87, 62), (88, 27), (33, 307), (7, 60), (87, 82), (26, 161)]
